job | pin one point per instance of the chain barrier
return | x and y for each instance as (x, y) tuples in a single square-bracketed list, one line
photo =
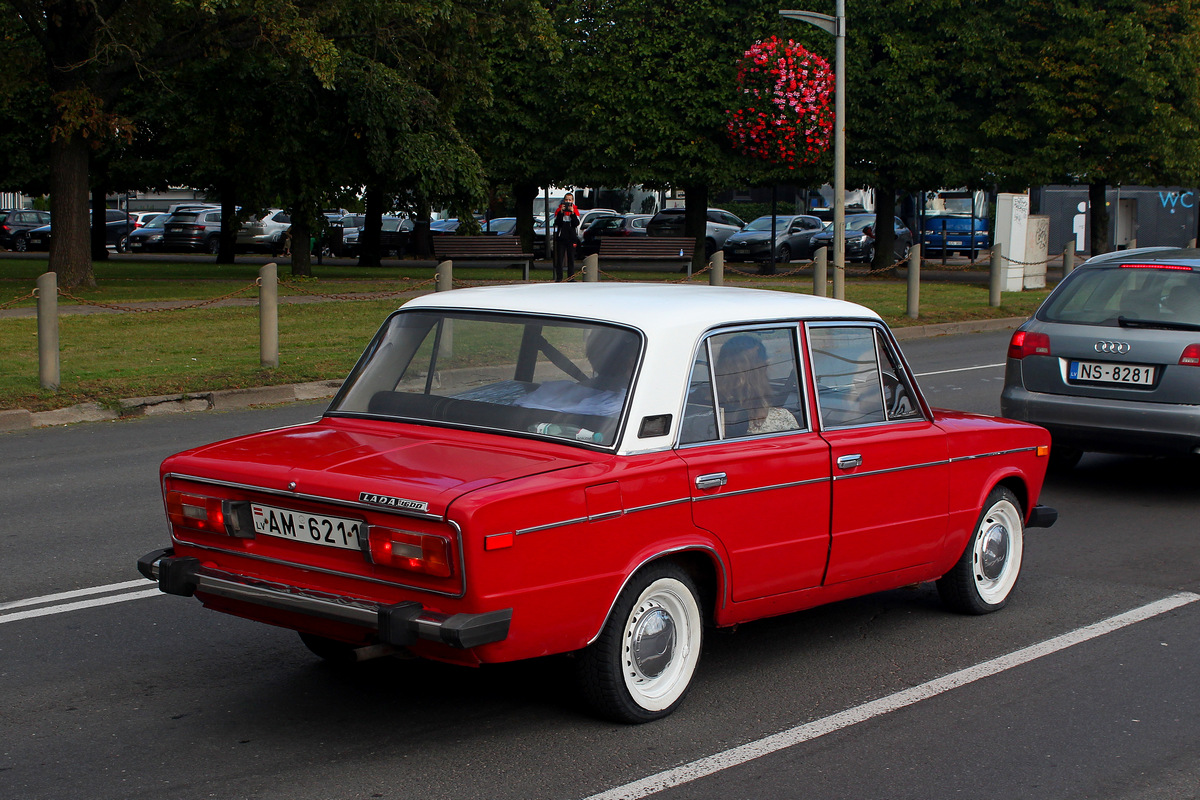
[(302, 291), (1029, 263), (145, 310), (16, 300)]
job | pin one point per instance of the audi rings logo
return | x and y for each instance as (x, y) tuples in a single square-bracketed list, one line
[(1120, 348)]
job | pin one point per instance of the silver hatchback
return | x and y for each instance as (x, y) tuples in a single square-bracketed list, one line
[(1110, 362)]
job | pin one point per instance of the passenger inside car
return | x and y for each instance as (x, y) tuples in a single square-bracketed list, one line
[(744, 390)]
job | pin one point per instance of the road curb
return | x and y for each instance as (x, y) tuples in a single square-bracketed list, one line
[(226, 399)]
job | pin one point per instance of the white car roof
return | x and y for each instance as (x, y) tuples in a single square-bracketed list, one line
[(652, 307), (674, 317)]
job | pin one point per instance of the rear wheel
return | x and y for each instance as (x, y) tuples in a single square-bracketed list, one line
[(641, 666), (20, 243), (987, 571), (212, 246)]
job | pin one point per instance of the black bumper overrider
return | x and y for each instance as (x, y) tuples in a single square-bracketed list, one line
[(401, 624), (1042, 517)]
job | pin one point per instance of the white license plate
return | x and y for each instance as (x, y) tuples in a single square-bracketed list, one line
[(958, 242), (1134, 374), (301, 527)]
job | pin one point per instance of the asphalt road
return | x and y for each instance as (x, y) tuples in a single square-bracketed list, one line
[(887, 696)]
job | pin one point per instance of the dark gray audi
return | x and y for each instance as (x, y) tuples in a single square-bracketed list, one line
[(1110, 361)]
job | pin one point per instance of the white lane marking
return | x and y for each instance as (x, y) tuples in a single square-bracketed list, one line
[(53, 598), (959, 369), (82, 604), (844, 719)]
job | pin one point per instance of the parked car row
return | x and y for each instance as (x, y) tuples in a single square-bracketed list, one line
[(15, 225)]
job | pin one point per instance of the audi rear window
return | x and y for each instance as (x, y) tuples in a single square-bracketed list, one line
[(1105, 296)]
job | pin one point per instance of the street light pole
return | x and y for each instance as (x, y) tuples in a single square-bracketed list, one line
[(835, 25)]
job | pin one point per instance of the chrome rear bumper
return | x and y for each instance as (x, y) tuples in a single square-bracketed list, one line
[(400, 624)]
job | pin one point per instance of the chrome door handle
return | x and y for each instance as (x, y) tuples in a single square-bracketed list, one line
[(712, 480), (849, 462)]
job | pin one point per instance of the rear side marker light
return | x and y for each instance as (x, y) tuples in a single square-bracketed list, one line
[(1190, 356), (1024, 343), (499, 541)]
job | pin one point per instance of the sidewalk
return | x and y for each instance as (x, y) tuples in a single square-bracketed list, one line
[(227, 399)]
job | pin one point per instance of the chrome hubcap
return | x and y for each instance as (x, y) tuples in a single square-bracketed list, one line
[(653, 642), (995, 551)]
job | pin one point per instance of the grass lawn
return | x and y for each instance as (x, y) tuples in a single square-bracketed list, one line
[(106, 357)]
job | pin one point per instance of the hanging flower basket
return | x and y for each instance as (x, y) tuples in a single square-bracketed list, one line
[(787, 117)]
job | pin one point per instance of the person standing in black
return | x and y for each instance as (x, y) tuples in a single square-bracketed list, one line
[(566, 236)]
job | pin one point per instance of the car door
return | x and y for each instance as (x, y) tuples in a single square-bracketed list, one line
[(762, 486), (889, 462)]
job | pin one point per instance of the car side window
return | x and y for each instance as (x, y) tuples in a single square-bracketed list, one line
[(899, 398), (846, 374), (743, 383)]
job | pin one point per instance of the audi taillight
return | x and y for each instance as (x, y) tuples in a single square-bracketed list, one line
[(1025, 343), (418, 552), (1190, 356)]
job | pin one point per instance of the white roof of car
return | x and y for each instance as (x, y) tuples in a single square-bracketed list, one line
[(651, 307), (674, 317)]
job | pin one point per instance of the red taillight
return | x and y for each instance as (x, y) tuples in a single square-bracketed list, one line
[(196, 512), (418, 552), (1156, 266), (1025, 343), (1190, 356)]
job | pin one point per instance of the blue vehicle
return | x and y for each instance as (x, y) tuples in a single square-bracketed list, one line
[(953, 234)]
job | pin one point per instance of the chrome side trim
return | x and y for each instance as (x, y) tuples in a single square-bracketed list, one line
[(315, 498), (607, 515), (993, 454), (891, 469), (757, 489)]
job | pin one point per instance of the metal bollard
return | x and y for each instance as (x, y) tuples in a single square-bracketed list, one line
[(268, 315), (445, 276), (820, 272), (1191, 244), (47, 331), (914, 282), (716, 273), (591, 268), (995, 279), (1069, 258)]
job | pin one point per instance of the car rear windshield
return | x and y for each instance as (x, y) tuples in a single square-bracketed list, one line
[(513, 373), (1106, 296), (764, 224)]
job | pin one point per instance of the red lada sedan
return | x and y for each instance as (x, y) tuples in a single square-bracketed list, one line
[(602, 469)]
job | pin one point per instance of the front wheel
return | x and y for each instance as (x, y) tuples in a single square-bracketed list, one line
[(641, 666), (785, 254), (983, 579), (213, 246)]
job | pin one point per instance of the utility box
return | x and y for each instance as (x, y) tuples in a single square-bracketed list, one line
[(1037, 249), (1012, 219)]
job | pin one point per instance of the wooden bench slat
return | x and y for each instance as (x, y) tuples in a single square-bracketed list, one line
[(482, 247), (676, 248)]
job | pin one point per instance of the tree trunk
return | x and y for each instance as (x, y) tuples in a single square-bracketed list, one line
[(368, 240), (420, 240), (230, 223), (70, 252), (696, 223), (885, 229), (301, 232), (99, 223), (524, 194), (1098, 209)]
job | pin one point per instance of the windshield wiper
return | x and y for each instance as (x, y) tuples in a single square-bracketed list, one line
[(1127, 322)]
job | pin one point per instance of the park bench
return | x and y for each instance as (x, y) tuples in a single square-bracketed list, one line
[(647, 248), (482, 248)]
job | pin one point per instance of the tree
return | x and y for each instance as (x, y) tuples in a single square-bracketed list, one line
[(1100, 92)]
